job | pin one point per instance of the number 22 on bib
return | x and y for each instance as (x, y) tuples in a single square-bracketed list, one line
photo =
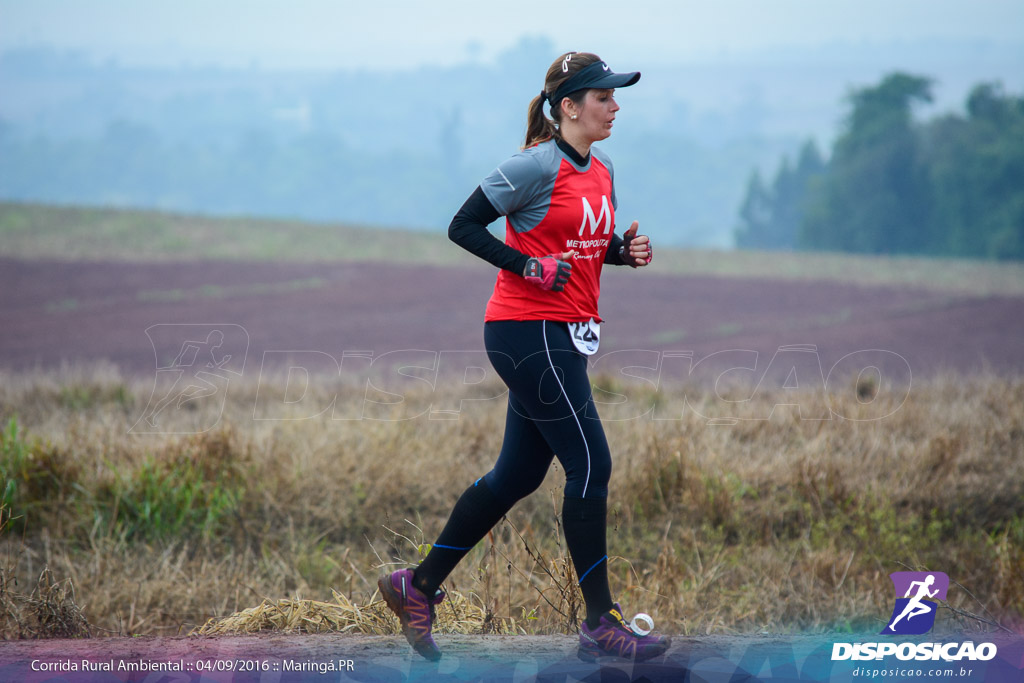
[(586, 336)]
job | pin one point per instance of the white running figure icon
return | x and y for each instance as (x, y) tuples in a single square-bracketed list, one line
[(191, 359), (914, 607)]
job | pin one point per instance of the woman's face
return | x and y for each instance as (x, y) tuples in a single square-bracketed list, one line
[(596, 114)]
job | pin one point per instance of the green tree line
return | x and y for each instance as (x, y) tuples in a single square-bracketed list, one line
[(949, 186)]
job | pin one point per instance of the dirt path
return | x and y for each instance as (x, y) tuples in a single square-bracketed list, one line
[(332, 657)]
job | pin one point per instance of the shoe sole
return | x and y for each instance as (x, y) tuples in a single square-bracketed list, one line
[(394, 602)]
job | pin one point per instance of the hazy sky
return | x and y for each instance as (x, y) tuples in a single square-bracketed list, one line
[(387, 34)]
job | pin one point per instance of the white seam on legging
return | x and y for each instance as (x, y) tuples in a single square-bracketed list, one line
[(586, 446)]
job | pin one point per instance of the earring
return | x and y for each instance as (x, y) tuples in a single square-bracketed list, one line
[(573, 117)]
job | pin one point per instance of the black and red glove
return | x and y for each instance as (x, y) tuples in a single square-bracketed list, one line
[(548, 272), (624, 251)]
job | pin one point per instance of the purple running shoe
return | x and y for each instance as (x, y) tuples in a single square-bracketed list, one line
[(414, 610), (613, 637)]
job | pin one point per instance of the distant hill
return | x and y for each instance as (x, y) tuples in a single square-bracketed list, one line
[(407, 147)]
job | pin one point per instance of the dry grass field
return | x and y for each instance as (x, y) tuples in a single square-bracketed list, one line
[(217, 519), (776, 525)]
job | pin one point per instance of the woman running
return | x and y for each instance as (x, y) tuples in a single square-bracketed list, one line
[(541, 323)]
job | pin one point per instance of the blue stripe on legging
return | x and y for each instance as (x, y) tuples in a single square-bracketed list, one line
[(592, 568)]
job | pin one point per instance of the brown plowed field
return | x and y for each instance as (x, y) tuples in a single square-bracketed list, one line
[(73, 312)]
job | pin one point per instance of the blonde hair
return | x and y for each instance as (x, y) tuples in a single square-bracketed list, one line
[(539, 128)]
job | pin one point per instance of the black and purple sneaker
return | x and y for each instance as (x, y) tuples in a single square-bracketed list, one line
[(414, 610), (613, 637)]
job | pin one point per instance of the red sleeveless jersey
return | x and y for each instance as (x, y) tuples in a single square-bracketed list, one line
[(552, 205)]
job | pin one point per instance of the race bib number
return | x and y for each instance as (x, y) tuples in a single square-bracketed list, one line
[(586, 336)]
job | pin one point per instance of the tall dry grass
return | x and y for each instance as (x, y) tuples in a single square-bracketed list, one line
[(779, 524)]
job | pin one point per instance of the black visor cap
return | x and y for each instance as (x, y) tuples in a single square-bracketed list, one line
[(596, 75)]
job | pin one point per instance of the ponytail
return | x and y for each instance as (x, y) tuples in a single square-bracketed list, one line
[(539, 128)]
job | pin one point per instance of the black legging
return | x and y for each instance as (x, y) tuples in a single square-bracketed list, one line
[(550, 412)]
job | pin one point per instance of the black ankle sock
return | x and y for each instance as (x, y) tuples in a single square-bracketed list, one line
[(585, 523), (474, 514)]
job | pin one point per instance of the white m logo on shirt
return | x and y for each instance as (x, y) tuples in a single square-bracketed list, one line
[(588, 216)]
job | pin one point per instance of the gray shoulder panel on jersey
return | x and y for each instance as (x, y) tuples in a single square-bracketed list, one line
[(521, 186), (607, 161)]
